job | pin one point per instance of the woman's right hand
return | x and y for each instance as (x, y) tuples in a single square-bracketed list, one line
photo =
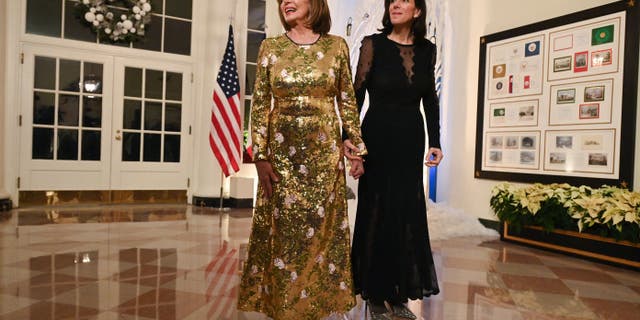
[(357, 169), (266, 176)]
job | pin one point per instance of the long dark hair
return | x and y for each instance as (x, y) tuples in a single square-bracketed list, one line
[(419, 27)]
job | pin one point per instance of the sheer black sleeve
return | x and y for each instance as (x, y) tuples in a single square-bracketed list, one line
[(430, 99), (362, 73)]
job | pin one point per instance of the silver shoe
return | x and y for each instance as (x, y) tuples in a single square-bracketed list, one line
[(375, 316), (403, 312)]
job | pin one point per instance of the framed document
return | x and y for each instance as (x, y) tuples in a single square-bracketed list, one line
[(557, 99)]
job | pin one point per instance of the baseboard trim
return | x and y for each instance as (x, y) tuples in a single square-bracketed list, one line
[(91, 197), (214, 202)]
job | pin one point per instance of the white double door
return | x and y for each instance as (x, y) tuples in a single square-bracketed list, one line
[(98, 122)]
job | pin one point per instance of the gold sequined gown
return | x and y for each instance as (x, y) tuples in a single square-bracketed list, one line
[(298, 265)]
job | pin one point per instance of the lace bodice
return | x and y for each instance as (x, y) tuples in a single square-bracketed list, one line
[(399, 76)]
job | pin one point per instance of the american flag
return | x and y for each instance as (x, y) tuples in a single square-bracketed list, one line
[(222, 283), (225, 137)]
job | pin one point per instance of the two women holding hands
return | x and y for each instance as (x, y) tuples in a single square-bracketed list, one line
[(299, 264)]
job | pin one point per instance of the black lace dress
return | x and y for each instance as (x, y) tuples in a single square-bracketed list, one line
[(391, 254)]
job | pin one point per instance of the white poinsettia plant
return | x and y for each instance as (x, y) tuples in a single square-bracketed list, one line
[(607, 206), (590, 208), (128, 26)]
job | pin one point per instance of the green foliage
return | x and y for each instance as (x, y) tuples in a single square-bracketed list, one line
[(607, 211)]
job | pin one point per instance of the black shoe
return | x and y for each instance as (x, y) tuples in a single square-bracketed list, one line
[(377, 314), (400, 310)]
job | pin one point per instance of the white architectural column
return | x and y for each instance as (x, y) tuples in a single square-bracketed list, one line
[(213, 36), (4, 195)]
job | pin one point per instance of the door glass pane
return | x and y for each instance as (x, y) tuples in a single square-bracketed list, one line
[(132, 118), (45, 73), (153, 84), (42, 147), (131, 146), (43, 107), (178, 8), (91, 145), (75, 28), (177, 36), (172, 117), (153, 116), (152, 33), (171, 148), (253, 45), (67, 144), (92, 81), (159, 111), (158, 7), (44, 17), (256, 14), (151, 147), (174, 86), (91, 111), (68, 108), (133, 82), (69, 75), (250, 79)]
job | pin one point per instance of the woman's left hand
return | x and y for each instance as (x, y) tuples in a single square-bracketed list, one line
[(433, 158), (357, 168)]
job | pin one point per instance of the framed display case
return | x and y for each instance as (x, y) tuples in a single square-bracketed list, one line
[(557, 99)]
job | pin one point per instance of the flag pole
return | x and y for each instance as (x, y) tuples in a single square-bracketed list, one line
[(221, 209), (221, 191)]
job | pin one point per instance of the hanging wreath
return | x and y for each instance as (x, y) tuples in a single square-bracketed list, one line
[(126, 27)]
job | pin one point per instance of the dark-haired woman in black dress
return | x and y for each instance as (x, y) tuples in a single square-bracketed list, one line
[(391, 254)]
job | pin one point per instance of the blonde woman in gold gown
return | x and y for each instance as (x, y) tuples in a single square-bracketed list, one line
[(298, 265)]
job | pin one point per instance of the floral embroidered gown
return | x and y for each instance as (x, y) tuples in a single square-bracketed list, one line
[(298, 265)]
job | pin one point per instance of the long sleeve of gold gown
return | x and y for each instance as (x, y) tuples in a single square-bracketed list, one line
[(298, 265)]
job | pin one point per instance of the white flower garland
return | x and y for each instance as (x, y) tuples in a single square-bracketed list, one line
[(127, 27)]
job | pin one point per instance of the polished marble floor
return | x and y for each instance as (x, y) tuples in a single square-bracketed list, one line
[(183, 262)]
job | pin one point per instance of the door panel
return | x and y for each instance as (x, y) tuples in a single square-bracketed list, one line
[(63, 126), (150, 129), (93, 122)]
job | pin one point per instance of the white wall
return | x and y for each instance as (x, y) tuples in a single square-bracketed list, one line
[(470, 21), (3, 27), (340, 12)]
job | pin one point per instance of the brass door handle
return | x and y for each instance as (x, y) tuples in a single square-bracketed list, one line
[(118, 136)]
